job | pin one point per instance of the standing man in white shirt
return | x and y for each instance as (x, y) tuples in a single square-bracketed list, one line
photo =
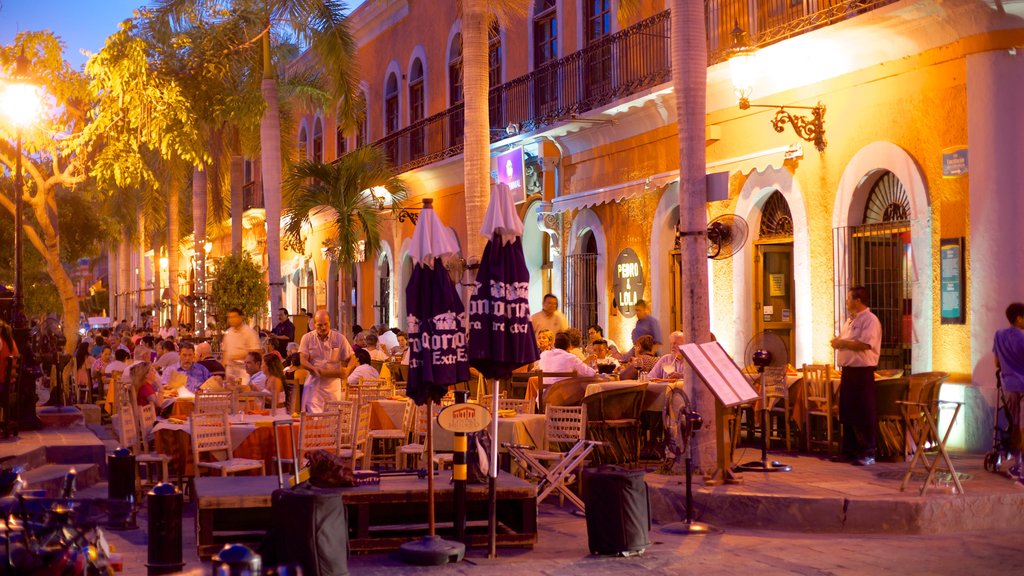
[(858, 347), (239, 340), (549, 318), (328, 357)]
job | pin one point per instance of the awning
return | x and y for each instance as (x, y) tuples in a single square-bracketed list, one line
[(760, 161)]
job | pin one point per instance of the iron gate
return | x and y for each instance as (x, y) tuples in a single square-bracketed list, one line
[(581, 293), (877, 257)]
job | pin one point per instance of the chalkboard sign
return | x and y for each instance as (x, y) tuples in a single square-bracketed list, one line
[(952, 272)]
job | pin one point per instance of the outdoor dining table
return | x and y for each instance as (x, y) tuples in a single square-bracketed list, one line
[(658, 391), (251, 437)]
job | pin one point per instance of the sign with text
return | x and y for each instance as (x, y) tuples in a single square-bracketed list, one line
[(464, 418), (954, 162), (510, 173), (952, 273), (629, 282)]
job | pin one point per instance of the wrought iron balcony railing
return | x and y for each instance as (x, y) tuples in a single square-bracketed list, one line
[(632, 60)]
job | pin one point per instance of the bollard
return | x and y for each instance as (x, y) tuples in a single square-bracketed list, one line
[(459, 475), (236, 560), (121, 489), (164, 503)]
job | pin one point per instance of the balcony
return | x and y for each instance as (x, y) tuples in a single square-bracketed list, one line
[(617, 66)]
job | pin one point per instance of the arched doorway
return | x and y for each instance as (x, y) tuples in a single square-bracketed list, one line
[(383, 298), (774, 302), (879, 256), (581, 296)]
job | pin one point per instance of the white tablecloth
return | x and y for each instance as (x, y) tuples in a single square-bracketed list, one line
[(659, 391), (241, 427)]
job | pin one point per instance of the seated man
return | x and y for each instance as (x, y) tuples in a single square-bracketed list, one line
[(595, 333), (670, 365), (558, 359), (372, 345), (195, 373), (600, 357), (363, 370), (257, 379), (204, 356), (168, 355)]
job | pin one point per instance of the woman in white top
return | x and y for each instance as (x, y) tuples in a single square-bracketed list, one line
[(363, 370), (168, 331)]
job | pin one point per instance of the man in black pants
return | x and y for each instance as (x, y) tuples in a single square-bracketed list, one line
[(857, 349)]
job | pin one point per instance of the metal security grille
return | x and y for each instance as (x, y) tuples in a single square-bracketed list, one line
[(877, 255), (581, 293), (776, 221)]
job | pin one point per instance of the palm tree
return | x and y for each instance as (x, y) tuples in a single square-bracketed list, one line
[(342, 190), (689, 81), (477, 16)]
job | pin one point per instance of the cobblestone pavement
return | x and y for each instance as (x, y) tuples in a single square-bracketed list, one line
[(562, 549)]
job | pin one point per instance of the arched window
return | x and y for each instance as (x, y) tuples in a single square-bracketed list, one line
[(776, 221), (455, 120), (391, 105), (363, 128), (303, 143), (416, 108), (318, 140), (340, 140)]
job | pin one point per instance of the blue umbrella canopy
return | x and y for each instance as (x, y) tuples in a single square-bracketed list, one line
[(436, 316), (501, 335)]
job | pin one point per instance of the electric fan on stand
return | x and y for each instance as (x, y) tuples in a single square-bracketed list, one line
[(681, 423), (764, 350)]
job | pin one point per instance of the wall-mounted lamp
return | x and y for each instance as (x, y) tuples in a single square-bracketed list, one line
[(742, 69)]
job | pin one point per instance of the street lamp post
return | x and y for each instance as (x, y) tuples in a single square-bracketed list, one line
[(21, 105)]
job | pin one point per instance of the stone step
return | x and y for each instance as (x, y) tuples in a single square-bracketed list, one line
[(50, 477)]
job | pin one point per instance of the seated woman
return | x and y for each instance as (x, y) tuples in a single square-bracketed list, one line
[(642, 361), (143, 378), (363, 370), (274, 370)]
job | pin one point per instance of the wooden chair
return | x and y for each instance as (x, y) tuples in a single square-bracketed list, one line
[(556, 464), (215, 402), (777, 397), (613, 419), (250, 401), (210, 433), (134, 425), (357, 435), (819, 403), (539, 383), (316, 432), (520, 406), (369, 390), (389, 441)]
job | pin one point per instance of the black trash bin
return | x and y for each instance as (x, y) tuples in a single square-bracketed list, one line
[(618, 510)]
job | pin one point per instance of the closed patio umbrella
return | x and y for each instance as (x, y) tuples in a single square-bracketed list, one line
[(501, 335), (437, 355)]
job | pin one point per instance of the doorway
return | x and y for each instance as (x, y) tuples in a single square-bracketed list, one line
[(774, 303)]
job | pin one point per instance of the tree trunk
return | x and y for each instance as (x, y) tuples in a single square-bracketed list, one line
[(199, 246), (270, 159), (344, 280), (173, 243), (236, 174), (477, 153), (57, 272), (112, 287), (157, 291), (124, 284), (141, 272), (689, 79)]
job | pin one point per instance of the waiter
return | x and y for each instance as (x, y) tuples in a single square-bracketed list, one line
[(328, 357), (283, 332), (857, 349)]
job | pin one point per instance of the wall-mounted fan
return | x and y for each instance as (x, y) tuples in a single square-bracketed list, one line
[(726, 235), (765, 349)]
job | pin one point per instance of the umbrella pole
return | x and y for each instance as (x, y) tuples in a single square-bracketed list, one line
[(431, 528), (492, 481)]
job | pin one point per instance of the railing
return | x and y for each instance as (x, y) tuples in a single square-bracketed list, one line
[(614, 67), (252, 197)]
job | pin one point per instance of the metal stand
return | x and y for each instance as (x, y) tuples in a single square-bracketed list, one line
[(689, 527), (431, 550), (764, 465)]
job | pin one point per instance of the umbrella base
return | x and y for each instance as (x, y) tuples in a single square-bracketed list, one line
[(432, 551)]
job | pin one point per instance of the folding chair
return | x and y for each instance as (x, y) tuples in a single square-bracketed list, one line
[(564, 425), (215, 403), (925, 429), (210, 434)]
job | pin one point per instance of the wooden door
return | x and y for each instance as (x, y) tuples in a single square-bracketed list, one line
[(774, 308)]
